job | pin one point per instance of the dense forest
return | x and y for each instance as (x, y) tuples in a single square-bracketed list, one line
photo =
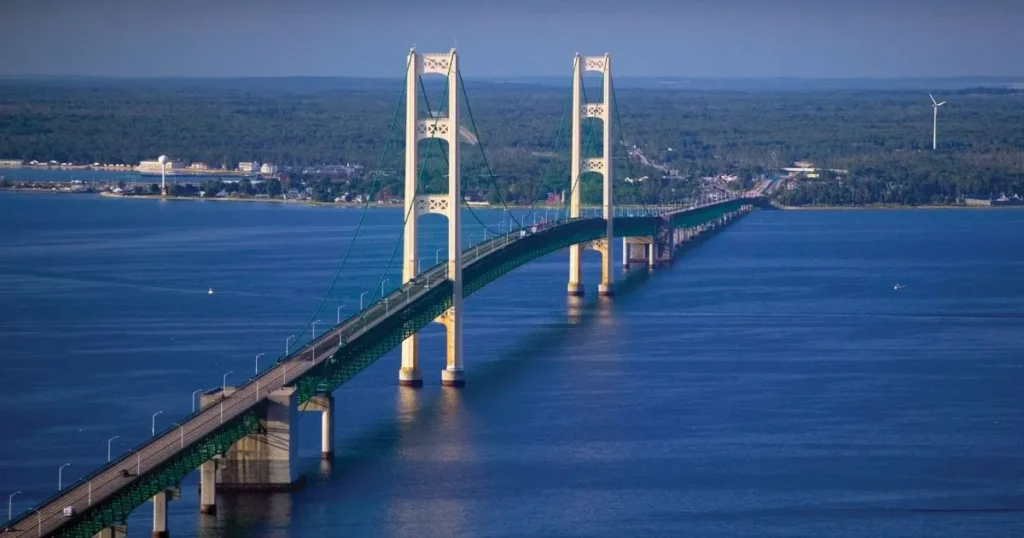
[(882, 137)]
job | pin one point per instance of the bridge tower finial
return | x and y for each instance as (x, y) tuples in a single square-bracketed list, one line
[(601, 165), (445, 128)]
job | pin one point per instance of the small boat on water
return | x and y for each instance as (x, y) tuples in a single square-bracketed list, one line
[(209, 291), (898, 287)]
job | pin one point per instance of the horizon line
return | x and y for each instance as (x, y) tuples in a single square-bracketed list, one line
[(505, 77)]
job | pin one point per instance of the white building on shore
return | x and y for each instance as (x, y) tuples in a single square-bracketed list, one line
[(249, 167), (153, 167), (268, 169), (12, 162)]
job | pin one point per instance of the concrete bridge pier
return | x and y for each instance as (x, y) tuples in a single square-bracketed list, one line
[(208, 487), (575, 287), (160, 501), (208, 470), (324, 404), (452, 375), (266, 460), (605, 288), (117, 531), (635, 250)]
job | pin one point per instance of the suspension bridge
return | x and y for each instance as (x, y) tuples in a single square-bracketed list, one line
[(242, 438)]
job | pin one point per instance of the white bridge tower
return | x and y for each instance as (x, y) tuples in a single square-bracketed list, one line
[(445, 128), (601, 165)]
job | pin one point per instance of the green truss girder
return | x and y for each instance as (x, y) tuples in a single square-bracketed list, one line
[(707, 214), (636, 226), (115, 510)]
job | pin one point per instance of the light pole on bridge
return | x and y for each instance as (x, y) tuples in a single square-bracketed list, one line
[(60, 477), (314, 328), (382, 283), (437, 256), (109, 441), (194, 399), (10, 504), (258, 355), (224, 381), (339, 312), (153, 428), (286, 342)]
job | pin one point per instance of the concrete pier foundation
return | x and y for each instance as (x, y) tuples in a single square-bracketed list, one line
[(410, 377), (452, 378), (266, 459)]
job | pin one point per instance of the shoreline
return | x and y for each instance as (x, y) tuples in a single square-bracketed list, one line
[(538, 207), (107, 194), (126, 169)]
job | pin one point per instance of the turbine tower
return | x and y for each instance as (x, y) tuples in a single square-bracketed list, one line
[(163, 174), (935, 122)]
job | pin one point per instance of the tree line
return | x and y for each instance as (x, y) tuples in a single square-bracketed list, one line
[(882, 137)]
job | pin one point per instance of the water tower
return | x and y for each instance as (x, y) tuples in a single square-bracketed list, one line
[(163, 175)]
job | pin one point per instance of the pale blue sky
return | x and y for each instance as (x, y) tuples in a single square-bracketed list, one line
[(697, 38)]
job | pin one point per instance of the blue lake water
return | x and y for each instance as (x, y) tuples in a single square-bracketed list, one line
[(771, 383)]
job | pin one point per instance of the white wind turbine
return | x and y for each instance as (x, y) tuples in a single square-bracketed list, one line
[(935, 122)]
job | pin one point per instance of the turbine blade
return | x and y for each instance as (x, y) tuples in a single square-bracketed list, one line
[(940, 104), (933, 98)]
